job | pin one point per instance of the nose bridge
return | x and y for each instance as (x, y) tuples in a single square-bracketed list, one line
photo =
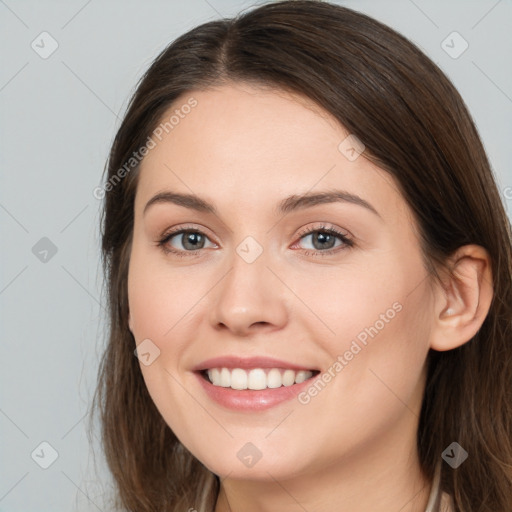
[(249, 293)]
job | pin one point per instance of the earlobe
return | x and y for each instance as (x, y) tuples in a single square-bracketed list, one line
[(463, 300)]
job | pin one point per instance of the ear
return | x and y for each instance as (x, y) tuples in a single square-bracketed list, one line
[(463, 299)]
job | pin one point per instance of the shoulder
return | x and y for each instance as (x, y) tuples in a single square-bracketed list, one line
[(446, 504)]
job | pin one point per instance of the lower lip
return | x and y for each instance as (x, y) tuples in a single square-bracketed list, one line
[(251, 399)]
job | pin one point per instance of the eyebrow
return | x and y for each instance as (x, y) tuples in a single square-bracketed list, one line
[(287, 205)]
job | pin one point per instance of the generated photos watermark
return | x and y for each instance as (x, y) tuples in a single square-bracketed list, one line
[(321, 381), (137, 156)]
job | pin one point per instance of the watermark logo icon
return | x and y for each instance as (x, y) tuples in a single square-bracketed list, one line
[(44, 45), (44, 250), (147, 352), (454, 45), (351, 147), (249, 454), (454, 455), (44, 455), (507, 194), (249, 249)]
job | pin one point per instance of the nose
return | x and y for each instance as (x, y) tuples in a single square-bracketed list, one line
[(249, 299)]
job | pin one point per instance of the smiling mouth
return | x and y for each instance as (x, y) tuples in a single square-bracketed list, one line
[(256, 378)]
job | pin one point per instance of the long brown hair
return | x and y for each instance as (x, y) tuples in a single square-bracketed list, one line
[(415, 126)]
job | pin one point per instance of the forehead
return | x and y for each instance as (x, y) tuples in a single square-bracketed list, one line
[(241, 123), (246, 143)]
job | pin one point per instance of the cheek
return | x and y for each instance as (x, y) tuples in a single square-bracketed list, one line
[(351, 303), (159, 302), (375, 374), (158, 299), (377, 326)]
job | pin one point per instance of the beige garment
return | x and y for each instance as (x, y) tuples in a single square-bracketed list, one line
[(439, 501)]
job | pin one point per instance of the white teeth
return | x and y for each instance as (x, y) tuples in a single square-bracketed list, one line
[(224, 378), (301, 377), (257, 378), (274, 379), (238, 379), (288, 378), (214, 375)]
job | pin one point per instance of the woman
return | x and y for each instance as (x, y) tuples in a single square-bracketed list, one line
[(307, 252)]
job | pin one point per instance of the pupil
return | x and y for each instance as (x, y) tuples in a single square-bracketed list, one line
[(193, 239), (323, 238)]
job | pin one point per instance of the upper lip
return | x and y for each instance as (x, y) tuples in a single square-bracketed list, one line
[(248, 363)]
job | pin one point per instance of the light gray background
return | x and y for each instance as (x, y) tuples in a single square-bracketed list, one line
[(58, 118)]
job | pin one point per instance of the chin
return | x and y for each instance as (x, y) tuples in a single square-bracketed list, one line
[(249, 463)]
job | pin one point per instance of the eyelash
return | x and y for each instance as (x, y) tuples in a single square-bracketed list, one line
[(347, 242)]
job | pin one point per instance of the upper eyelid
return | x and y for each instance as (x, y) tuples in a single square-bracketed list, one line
[(303, 231), (181, 229), (324, 227)]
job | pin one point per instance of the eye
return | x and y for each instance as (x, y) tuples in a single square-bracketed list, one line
[(191, 240), (185, 241), (323, 240)]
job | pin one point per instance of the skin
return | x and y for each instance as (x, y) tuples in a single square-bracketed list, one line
[(353, 446)]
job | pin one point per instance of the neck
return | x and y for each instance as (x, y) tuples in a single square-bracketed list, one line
[(385, 475)]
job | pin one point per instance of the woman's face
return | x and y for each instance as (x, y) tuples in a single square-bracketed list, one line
[(261, 287)]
